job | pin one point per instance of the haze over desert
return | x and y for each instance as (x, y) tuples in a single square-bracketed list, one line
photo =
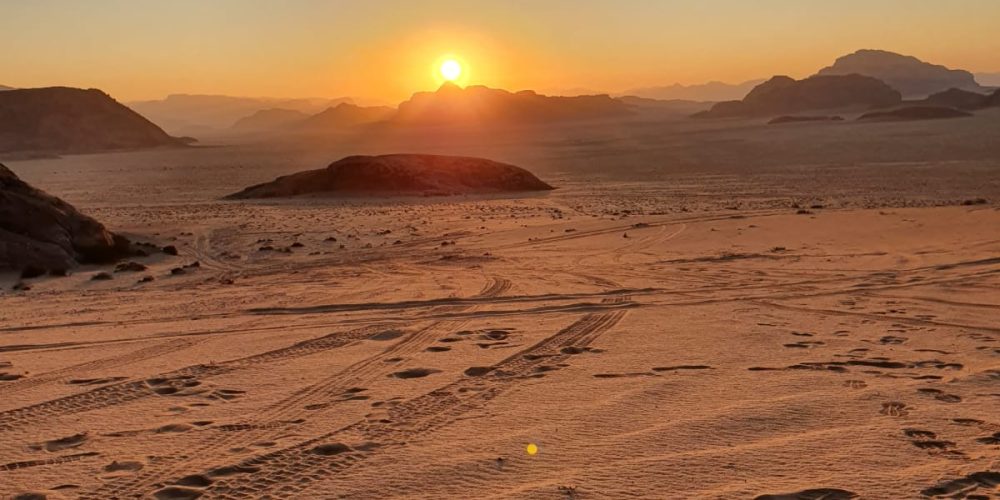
[(786, 286)]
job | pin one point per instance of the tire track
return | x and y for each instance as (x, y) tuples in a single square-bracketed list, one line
[(305, 401), (48, 461), (124, 392), (70, 372), (292, 469)]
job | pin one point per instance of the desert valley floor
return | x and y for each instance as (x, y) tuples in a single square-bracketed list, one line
[(701, 334)]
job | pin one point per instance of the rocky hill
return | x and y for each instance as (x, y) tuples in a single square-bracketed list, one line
[(782, 95), (68, 120), (401, 174), (39, 231), (911, 76)]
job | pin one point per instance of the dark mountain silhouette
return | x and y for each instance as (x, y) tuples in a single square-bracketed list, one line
[(477, 105), (268, 119), (40, 231), (344, 115), (706, 92), (913, 113), (184, 114), (401, 174), (67, 120), (782, 95), (911, 76)]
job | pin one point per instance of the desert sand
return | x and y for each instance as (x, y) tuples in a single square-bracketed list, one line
[(700, 310)]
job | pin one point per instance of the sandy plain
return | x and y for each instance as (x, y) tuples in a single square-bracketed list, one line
[(701, 310)]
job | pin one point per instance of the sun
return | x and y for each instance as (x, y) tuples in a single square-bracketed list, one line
[(451, 70)]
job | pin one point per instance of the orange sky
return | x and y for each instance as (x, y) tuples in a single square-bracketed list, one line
[(386, 49)]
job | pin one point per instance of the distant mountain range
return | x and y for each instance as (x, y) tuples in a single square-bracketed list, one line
[(988, 79), (185, 114), (705, 92), (331, 119), (4, 87), (478, 105), (68, 120), (911, 76)]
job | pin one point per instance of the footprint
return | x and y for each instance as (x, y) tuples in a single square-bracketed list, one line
[(96, 381), (948, 398), (933, 444), (415, 373), (994, 439), (327, 450), (387, 335), (478, 371), (812, 494), (195, 480), (968, 421), (892, 339), (805, 344), (124, 466), (173, 428), (964, 485), (681, 367), (176, 493), (62, 443), (894, 409)]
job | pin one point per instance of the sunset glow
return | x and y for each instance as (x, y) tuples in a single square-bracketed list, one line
[(391, 56)]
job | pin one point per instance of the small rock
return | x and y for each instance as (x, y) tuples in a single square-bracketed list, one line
[(129, 267)]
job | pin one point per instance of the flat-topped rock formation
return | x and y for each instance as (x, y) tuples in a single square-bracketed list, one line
[(68, 120), (40, 231), (911, 76), (913, 113), (403, 175), (782, 95)]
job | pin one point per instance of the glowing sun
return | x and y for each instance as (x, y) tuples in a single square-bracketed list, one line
[(451, 70)]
